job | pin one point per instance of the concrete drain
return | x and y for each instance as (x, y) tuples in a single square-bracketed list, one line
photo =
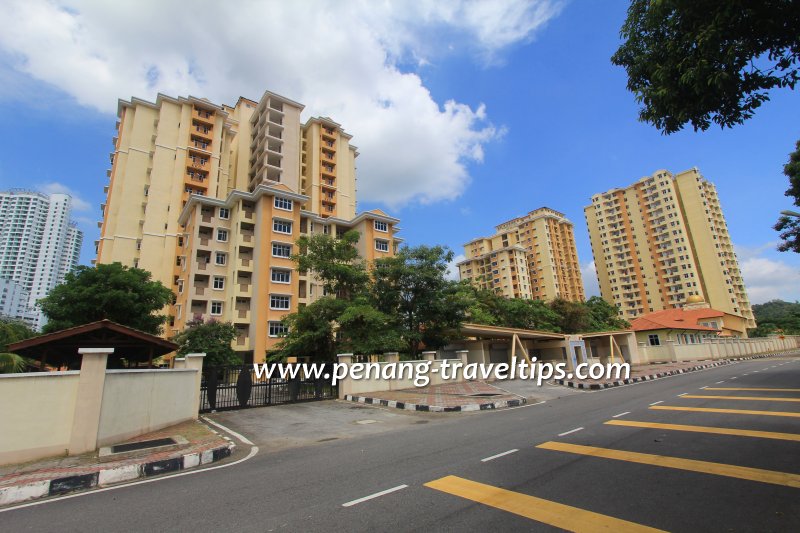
[(485, 394)]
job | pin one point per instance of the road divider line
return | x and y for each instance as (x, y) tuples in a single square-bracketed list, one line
[(621, 414), (718, 382), (544, 511), (726, 411), (658, 402), (491, 457), (373, 496), (743, 398), (706, 429), (570, 431), (765, 389), (704, 467)]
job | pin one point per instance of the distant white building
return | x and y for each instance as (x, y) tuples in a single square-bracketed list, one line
[(38, 244), (14, 301)]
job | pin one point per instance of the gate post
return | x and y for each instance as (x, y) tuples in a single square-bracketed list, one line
[(194, 361)]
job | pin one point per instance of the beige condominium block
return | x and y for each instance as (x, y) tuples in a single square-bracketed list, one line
[(530, 257), (662, 240), (212, 198)]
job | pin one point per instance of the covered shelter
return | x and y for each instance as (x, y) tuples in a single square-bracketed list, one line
[(495, 344), (618, 346), (132, 348)]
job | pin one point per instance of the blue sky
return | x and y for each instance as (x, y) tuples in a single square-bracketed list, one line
[(466, 114)]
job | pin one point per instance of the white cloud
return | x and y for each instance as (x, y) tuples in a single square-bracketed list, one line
[(589, 275), (769, 279), (452, 269), (342, 59), (78, 203)]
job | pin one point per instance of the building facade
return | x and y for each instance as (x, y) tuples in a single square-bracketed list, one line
[(39, 245), (662, 240), (530, 257), (211, 199)]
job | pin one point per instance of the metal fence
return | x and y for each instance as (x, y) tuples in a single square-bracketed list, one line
[(238, 387)]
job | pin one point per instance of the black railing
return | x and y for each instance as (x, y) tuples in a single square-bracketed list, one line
[(237, 387)]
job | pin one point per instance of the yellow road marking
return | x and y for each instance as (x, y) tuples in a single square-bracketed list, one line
[(753, 389), (726, 411), (719, 469), (756, 398), (545, 511), (707, 429)]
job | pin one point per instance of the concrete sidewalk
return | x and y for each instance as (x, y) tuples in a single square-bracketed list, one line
[(449, 397), (196, 444)]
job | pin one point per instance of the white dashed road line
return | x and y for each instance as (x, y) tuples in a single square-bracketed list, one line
[(621, 414), (658, 402), (376, 495), (570, 431), (509, 452)]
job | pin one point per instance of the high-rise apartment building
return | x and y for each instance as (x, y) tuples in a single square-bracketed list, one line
[(211, 199), (531, 257), (662, 240), (39, 244)]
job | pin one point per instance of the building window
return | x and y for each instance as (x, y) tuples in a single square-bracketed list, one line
[(278, 329), (222, 235), (180, 286), (281, 250), (282, 226), (219, 283), (283, 203), (281, 276), (653, 340), (224, 213), (216, 308), (381, 226), (381, 246), (220, 258), (278, 302)]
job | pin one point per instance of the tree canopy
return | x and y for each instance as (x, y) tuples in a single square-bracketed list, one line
[(790, 226), (412, 290), (776, 316), (212, 338), (700, 63), (124, 295)]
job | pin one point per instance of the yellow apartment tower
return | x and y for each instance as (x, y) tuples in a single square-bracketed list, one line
[(530, 257), (212, 198), (661, 241)]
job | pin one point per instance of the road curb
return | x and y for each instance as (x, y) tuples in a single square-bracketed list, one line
[(107, 476), (651, 377), (436, 408)]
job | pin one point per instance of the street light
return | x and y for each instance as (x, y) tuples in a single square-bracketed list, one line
[(790, 213)]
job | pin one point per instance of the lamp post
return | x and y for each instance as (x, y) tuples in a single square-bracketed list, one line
[(790, 213)]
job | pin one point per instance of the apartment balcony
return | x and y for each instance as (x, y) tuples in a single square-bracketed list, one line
[(204, 235), (243, 284), (199, 143), (199, 308), (245, 259), (247, 232), (203, 259), (202, 131), (200, 285), (203, 116), (206, 214), (242, 309)]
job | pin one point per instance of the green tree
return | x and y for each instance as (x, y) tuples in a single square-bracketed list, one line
[(341, 321), (12, 331), (411, 287), (212, 338), (124, 295), (695, 63), (776, 316), (574, 317), (603, 316), (790, 226), (335, 261)]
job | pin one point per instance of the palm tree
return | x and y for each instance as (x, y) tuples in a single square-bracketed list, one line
[(11, 363)]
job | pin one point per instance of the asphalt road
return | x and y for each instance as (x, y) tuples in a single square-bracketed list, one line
[(735, 468)]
